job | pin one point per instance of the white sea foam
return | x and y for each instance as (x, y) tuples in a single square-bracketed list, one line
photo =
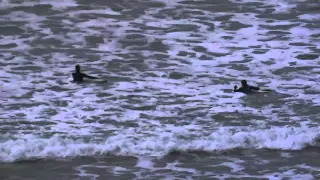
[(310, 17), (58, 5), (32, 147), (145, 162)]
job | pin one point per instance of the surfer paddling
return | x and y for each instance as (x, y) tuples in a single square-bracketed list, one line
[(78, 76), (245, 88)]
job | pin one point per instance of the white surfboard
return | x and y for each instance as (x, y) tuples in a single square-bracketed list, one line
[(263, 91)]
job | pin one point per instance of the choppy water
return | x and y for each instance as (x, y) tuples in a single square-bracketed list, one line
[(168, 111)]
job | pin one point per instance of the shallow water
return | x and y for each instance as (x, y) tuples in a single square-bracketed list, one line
[(168, 110)]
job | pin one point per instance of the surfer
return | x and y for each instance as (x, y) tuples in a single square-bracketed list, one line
[(78, 76), (245, 88)]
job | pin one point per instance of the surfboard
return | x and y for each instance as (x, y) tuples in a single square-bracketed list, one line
[(86, 82), (263, 91), (101, 81)]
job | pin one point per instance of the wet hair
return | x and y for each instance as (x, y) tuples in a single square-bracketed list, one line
[(77, 67), (244, 82)]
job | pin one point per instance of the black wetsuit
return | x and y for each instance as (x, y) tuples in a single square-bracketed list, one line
[(246, 89), (78, 76)]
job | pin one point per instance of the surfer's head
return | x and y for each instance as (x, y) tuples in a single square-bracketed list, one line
[(77, 68), (244, 83)]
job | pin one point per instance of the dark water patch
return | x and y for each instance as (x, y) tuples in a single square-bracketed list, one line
[(310, 6), (236, 65), (239, 67), (157, 45), (116, 64), (218, 6), (297, 158), (315, 35), (156, 29), (94, 40), (255, 8), (315, 50), (127, 57), (217, 54), (156, 4), (224, 18), (134, 99), (140, 107), (281, 16), (40, 9), (165, 120), (60, 103), (304, 109), (264, 100), (166, 12), (11, 30), (23, 105), (18, 115), (156, 57), (178, 75), (277, 32), (114, 123), (193, 114), (138, 41), (163, 65), (234, 26), (307, 56), (103, 94), (57, 88), (8, 46), (260, 51), (227, 37), (186, 53), (135, 36), (123, 161), (286, 70), (17, 123), (210, 25), (183, 28), (46, 42), (300, 44), (279, 27), (40, 51), (293, 63), (311, 25), (27, 68), (195, 12), (191, 41), (199, 49), (237, 118), (204, 2), (55, 25), (311, 91), (94, 15), (50, 169), (149, 74), (138, 65), (205, 57)]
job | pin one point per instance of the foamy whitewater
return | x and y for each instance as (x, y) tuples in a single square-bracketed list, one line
[(168, 110)]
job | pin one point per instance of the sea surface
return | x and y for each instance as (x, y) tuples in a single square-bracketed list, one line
[(168, 110)]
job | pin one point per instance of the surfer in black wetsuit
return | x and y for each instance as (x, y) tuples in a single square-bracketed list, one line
[(78, 76), (245, 88)]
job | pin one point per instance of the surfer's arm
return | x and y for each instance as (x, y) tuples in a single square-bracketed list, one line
[(90, 77), (236, 90), (254, 88)]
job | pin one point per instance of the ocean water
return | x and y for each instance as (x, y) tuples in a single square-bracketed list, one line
[(168, 110)]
